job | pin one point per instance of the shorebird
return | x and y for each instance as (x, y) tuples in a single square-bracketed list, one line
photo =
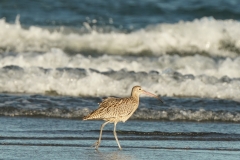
[(114, 110)]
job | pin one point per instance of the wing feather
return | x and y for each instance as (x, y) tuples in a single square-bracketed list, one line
[(112, 108)]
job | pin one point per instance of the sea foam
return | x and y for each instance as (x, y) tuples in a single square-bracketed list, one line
[(90, 82), (205, 36), (37, 60), (195, 65)]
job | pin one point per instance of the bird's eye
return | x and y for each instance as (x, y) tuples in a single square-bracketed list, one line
[(139, 89)]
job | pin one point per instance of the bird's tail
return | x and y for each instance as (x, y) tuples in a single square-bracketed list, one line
[(86, 117), (93, 115)]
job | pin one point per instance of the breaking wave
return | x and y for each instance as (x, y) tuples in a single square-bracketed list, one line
[(91, 82), (217, 67), (205, 36), (174, 114)]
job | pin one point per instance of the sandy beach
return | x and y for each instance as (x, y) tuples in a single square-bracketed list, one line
[(40, 138)]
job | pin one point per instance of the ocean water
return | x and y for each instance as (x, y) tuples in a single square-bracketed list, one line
[(59, 59)]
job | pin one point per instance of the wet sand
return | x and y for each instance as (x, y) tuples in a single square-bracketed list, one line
[(50, 138)]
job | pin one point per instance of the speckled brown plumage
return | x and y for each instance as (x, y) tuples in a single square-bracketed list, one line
[(114, 110)]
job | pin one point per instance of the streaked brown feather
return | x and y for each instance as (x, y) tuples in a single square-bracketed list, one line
[(114, 109)]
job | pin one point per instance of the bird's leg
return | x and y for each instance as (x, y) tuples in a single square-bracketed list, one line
[(96, 144), (115, 135)]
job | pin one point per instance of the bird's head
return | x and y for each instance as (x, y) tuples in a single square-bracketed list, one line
[(137, 90)]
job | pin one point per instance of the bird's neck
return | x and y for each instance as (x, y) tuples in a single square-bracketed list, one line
[(135, 97)]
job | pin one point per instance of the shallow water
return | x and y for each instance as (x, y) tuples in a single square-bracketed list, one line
[(50, 138), (173, 108)]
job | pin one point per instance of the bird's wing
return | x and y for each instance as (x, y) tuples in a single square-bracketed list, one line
[(111, 108), (103, 110), (115, 107)]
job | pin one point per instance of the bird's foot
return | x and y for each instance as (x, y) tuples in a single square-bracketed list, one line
[(96, 144)]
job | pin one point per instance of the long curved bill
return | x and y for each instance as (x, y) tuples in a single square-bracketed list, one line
[(150, 94)]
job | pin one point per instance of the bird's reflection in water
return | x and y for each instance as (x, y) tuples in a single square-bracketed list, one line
[(115, 155)]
